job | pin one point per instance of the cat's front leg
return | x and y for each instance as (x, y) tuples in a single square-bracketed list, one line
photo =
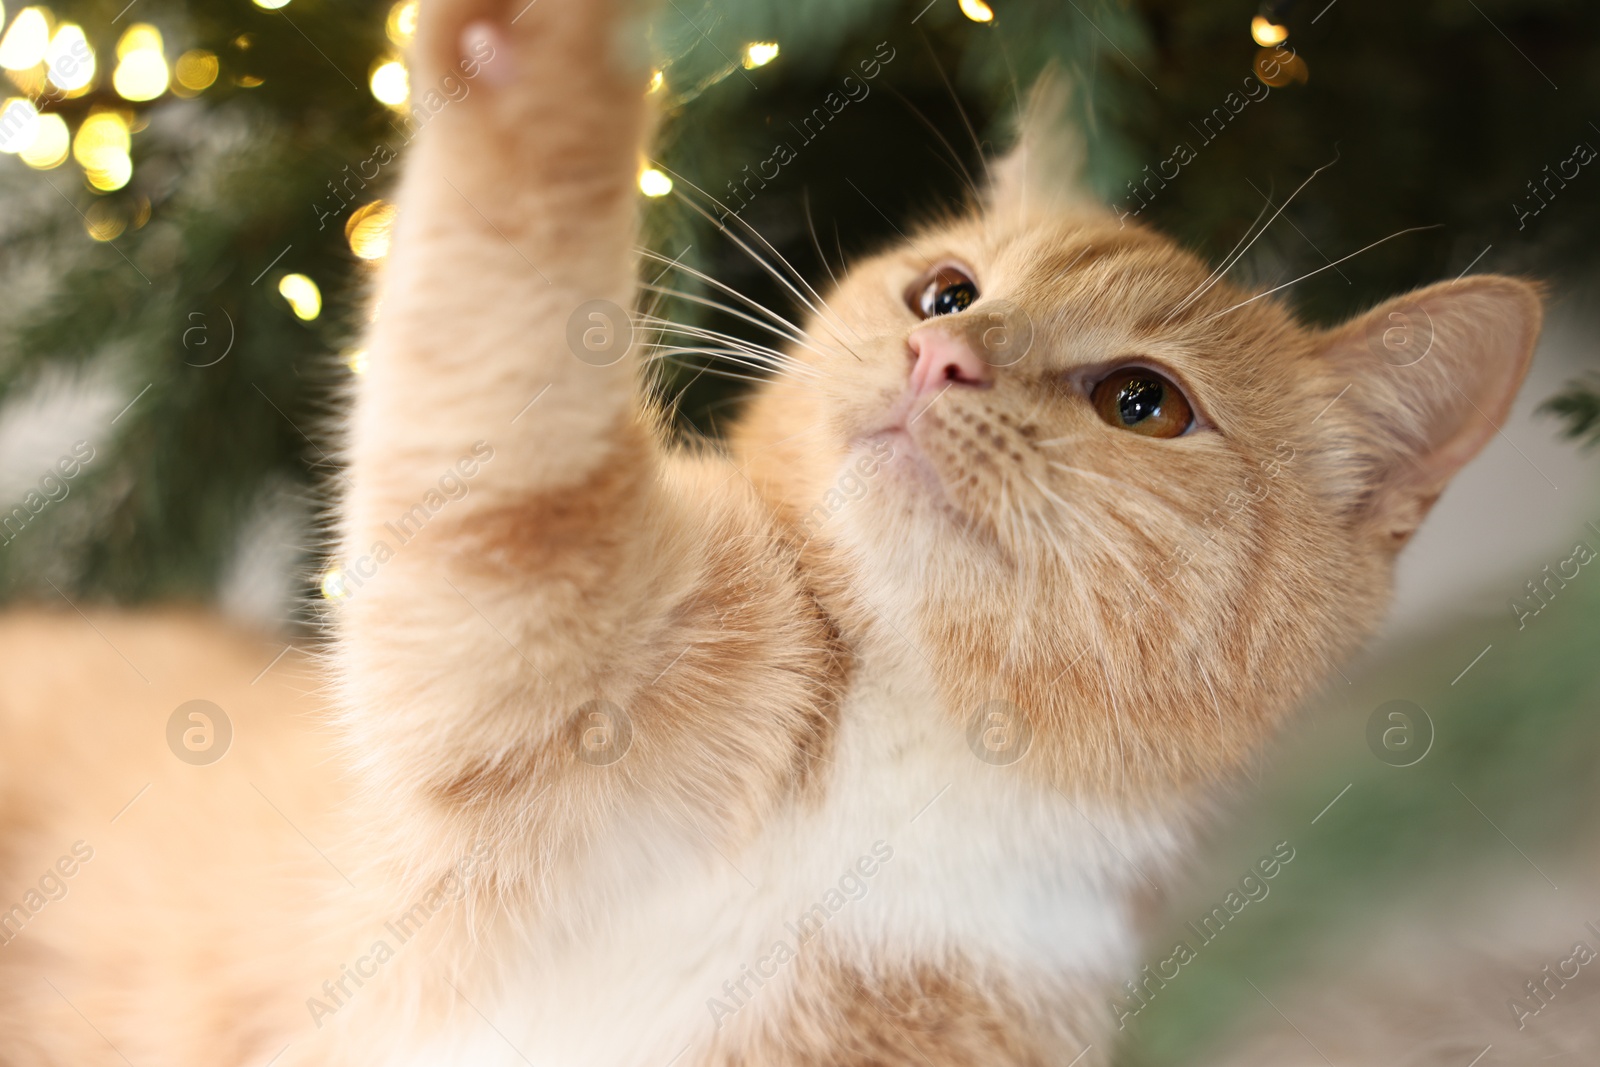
[(548, 619)]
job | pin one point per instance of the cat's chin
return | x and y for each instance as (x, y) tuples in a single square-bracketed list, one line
[(908, 474)]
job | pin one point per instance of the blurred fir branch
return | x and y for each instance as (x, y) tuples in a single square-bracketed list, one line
[(1579, 406)]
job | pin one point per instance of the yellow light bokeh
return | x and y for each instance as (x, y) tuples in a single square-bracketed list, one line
[(24, 44), (19, 125), (103, 221), (196, 69), (1267, 34), (32, 82), (140, 37), (272, 5), (653, 182), (390, 83), (401, 25), (333, 587), (370, 229), (356, 360), (140, 75), (759, 54), (976, 10), (102, 135), (113, 176), (304, 298), (658, 80), (101, 148), (50, 146), (70, 60)]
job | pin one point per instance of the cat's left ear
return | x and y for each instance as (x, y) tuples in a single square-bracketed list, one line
[(1043, 173), (1421, 384)]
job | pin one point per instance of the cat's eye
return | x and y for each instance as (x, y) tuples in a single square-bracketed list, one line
[(944, 291), (1144, 401)]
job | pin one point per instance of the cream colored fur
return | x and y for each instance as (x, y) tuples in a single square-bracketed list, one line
[(799, 693)]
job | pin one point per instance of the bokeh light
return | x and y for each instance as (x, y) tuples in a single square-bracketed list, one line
[(304, 298), (196, 69), (370, 229), (390, 83), (101, 148), (976, 10), (333, 587), (759, 54), (141, 72), (24, 44), (401, 25), (1266, 33), (51, 144), (70, 60), (104, 221), (19, 125), (653, 182)]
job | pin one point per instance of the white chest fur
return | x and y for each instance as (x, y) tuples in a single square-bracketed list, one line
[(915, 849)]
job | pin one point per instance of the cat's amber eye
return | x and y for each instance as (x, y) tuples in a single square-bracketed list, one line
[(1141, 400), (944, 291)]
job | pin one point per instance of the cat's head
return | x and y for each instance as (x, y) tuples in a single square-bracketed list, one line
[(1132, 510)]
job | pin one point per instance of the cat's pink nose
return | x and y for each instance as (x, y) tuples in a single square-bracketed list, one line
[(940, 360)]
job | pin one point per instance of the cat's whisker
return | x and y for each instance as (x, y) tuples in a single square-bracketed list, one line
[(1238, 254), (811, 228), (658, 349), (699, 275), (760, 260), (966, 175), (770, 356), (800, 338), (668, 355), (1319, 270), (771, 248), (983, 156)]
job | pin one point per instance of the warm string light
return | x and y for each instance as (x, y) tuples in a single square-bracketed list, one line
[(401, 25), (101, 148), (390, 83), (196, 70), (759, 54), (141, 72), (976, 10), (304, 298), (653, 182), (24, 44), (370, 229), (1266, 32)]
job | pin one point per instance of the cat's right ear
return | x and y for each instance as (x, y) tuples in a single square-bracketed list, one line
[(1417, 386), (1044, 171)]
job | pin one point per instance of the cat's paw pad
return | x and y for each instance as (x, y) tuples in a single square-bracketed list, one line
[(488, 44)]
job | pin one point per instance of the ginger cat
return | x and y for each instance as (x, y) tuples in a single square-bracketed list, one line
[(862, 743)]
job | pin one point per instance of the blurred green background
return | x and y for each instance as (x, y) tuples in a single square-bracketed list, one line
[(187, 260)]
